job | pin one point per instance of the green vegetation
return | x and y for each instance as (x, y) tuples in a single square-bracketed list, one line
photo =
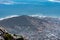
[(7, 36)]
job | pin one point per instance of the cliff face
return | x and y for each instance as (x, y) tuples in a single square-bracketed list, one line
[(1, 33), (4, 35), (34, 28)]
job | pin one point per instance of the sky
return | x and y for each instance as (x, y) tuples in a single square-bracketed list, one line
[(30, 7)]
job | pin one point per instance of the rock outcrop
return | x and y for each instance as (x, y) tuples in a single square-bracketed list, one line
[(4, 35)]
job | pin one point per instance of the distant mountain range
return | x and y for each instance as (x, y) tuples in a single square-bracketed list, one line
[(35, 28)]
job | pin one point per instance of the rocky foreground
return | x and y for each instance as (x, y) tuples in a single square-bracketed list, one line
[(4, 35)]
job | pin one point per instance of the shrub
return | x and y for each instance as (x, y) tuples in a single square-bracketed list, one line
[(7, 36)]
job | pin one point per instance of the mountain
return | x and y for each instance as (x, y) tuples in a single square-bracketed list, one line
[(34, 28)]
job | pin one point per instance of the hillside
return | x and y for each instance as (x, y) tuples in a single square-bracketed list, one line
[(35, 28)]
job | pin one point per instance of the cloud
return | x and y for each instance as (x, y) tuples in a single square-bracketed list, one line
[(43, 16), (7, 2), (9, 17), (10, 2), (37, 15), (55, 1)]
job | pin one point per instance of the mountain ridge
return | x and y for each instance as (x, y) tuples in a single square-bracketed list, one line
[(29, 26)]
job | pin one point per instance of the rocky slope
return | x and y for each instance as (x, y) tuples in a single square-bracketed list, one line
[(4, 35), (34, 28)]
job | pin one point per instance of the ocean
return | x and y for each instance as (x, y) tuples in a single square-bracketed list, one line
[(46, 9)]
